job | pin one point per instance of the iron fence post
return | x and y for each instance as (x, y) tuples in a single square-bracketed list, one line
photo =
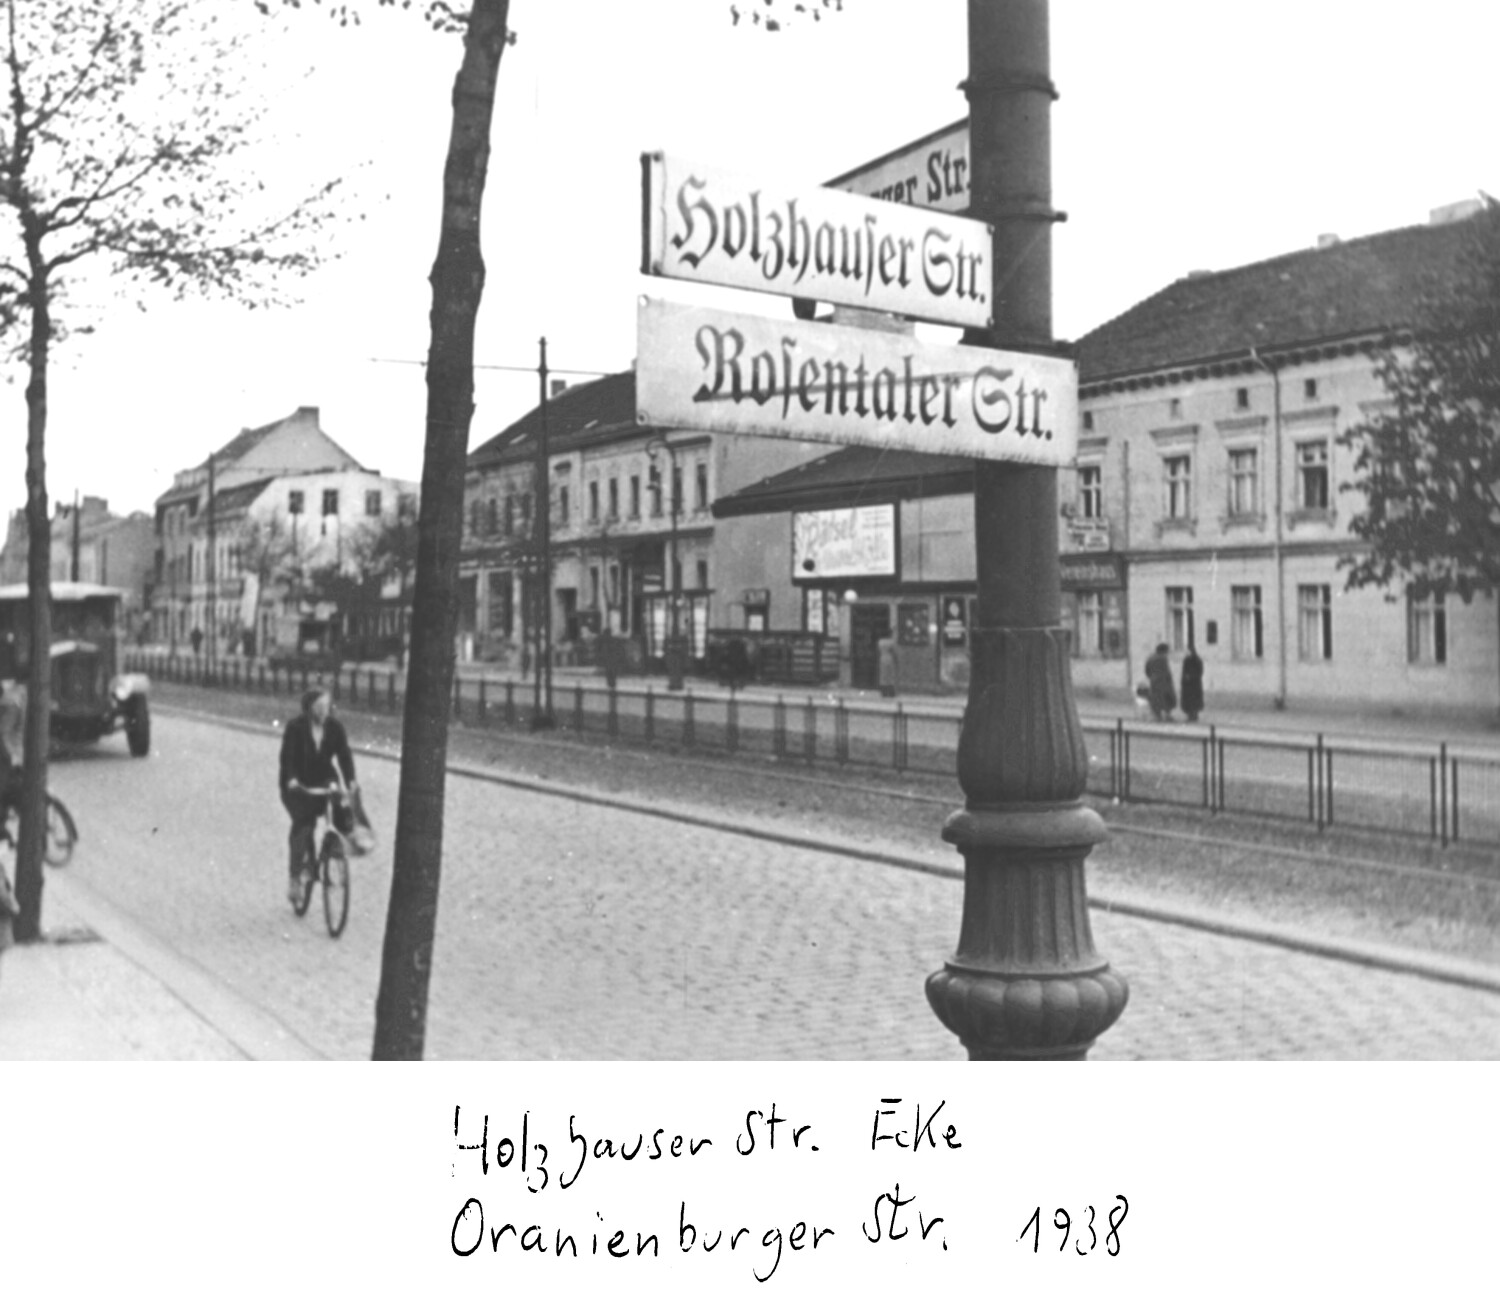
[(689, 721), (1443, 789), (578, 708), (778, 729), (650, 714)]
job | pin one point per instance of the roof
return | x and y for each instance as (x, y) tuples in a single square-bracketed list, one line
[(61, 591), (1369, 286), (240, 495), (583, 415), (852, 475)]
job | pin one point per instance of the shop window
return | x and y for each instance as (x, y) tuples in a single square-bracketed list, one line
[(913, 619), (1088, 624)]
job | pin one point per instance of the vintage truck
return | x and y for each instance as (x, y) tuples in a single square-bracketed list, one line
[(90, 696)]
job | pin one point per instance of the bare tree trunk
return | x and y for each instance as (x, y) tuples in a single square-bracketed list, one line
[(29, 842), (457, 285)]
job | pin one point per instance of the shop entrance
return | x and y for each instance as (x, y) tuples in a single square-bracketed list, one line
[(867, 625)]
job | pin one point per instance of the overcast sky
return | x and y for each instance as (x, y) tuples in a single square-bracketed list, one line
[(1189, 135)]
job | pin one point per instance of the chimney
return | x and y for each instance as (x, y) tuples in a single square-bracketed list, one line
[(559, 385), (1460, 209), (1327, 239), (1200, 273), (309, 412)]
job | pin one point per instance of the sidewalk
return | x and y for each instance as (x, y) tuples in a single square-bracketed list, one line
[(97, 988)]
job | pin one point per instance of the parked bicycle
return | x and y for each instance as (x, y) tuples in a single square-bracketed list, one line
[(60, 838), (326, 861)]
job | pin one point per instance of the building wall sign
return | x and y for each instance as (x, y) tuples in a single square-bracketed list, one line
[(932, 172), (707, 225), (1096, 573), (853, 542), (729, 372)]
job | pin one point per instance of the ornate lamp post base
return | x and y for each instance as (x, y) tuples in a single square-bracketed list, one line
[(1025, 982)]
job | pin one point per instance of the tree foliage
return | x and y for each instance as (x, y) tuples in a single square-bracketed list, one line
[(124, 132), (1428, 466)]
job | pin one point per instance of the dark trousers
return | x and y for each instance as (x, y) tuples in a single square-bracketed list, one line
[(299, 841)]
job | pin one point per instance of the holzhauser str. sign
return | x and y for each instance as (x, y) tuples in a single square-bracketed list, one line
[(706, 225), (724, 371)]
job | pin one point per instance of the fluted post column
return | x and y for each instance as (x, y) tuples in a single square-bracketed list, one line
[(1026, 981)]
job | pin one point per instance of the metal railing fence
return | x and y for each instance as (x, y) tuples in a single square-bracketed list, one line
[(1441, 793)]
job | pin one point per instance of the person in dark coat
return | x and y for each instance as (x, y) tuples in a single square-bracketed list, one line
[(1159, 677), (314, 751), (1192, 684)]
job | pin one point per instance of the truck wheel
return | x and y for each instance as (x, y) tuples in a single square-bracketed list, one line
[(138, 726)]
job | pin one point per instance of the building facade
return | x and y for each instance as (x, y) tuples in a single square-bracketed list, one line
[(624, 501), (240, 537)]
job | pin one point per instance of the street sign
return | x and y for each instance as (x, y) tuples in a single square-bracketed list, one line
[(932, 172), (707, 225), (723, 371)]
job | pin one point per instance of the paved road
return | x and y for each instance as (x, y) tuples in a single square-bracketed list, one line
[(572, 930)]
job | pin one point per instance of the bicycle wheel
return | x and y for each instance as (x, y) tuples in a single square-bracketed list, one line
[(309, 876), (335, 886), (62, 834)]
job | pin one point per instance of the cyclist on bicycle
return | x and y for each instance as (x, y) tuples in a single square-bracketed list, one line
[(314, 754)]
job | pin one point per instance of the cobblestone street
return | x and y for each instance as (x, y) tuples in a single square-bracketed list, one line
[(574, 930)]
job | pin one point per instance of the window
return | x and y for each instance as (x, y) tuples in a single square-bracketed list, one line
[(1090, 491), (510, 516), (1174, 408), (1088, 421), (1247, 629), (475, 510), (1315, 621), (492, 517), (501, 617), (1180, 618), (564, 506), (525, 512), (677, 488), (1312, 475), (372, 504), (635, 496), (614, 498), (1310, 389), (594, 502), (1088, 624), (593, 587), (655, 492), (406, 504), (700, 491), (1244, 484), (294, 502), (703, 575), (1426, 630), (330, 500), (1178, 470), (1242, 398)]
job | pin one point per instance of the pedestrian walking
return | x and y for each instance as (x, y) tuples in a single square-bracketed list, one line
[(1192, 684), (1159, 679), (196, 638)]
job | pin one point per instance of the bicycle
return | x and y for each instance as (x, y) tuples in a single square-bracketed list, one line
[(326, 862), (61, 834)]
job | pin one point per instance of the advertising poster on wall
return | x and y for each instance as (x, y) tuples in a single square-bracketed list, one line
[(852, 542)]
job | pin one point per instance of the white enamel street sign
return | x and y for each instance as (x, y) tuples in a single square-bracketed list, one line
[(707, 225), (932, 172), (723, 371)]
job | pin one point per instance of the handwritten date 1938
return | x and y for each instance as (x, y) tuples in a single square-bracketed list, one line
[(1063, 1222)]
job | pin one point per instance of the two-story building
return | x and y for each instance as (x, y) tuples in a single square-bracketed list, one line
[(1207, 507), (239, 535), (624, 501)]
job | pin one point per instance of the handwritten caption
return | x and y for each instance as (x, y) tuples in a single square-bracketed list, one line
[(544, 1162)]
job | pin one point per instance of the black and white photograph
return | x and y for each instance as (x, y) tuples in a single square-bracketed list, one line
[(845, 537)]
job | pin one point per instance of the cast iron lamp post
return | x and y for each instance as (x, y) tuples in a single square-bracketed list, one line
[(674, 653), (1025, 981)]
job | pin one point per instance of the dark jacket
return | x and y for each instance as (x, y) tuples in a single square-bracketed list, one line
[(310, 765), (1159, 676), (1192, 683)]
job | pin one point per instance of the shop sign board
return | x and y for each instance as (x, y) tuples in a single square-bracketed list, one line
[(723, 371), (846, 542), (932, 172), (1092, 573), (706, 224)]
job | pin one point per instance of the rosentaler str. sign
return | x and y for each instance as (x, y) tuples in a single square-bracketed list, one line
[(731, 372), (705, 225)]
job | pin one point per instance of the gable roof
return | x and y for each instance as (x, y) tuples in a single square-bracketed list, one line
[(239, 496), (584, 415), (1369, 287)]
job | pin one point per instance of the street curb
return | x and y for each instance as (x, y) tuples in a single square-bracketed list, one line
[(244, 1025), (1437, 969)]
